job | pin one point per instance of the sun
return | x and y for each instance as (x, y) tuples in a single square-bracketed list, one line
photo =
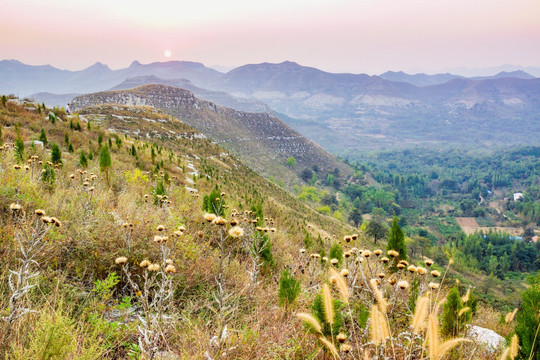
[(167, 53)]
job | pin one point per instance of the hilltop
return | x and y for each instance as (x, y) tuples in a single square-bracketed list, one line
[(261, 140)]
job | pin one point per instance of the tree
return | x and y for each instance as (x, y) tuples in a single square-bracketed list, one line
[(133, 150), (83, 161), (1, 142), (356, 217), (105, 160), (330, 179), (450, 319), (56, 154), (289, 289), (376, 230), (4, 100), (291, 162), (528, 320), (306, 175), (396, 241), (43, 137), (19, 148)]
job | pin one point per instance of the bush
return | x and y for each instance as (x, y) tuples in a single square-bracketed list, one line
[(289, 289)]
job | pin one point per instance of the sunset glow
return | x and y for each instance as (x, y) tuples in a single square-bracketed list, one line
[(356, 36)]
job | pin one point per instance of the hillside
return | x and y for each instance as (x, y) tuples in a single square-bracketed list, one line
[(111, 214), (261, 140)]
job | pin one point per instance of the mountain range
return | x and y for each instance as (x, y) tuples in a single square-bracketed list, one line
[(260, 140), (341, 112)]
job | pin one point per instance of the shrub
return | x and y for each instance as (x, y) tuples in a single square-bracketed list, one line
[(289, 289), (56, 154)]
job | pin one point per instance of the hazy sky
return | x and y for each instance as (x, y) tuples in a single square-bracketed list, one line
[(369, 36)]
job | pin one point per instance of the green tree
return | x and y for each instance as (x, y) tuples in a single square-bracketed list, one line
[(313, 179), (356, 217), (396, 241), (83, 161), (1, 141), (376, 230), (291, 162), (133, 150), (66, 138), (43, 137), (19, 148), (289, 289), (71, 148), (100, 139), (105, 160), (528, 320), (4, 100), (450, 321), (214, 203), (330, 179), (56, 154)]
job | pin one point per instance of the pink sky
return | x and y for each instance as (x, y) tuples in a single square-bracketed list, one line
[(369, 36)]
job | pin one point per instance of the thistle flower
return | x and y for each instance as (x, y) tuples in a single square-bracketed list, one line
[(429, 262), (347, 238), (233, 222), (160, 228), (170, 269), (404, 262), (400, 266), (56, 222), (40, 212), (384, 260), (381, 275), (421, 271), (181, 228), (344, 273), (366, 253), (378, 252), (302, 251), (121, 260), (26, 167), (168, 261), (334, 261), (236, 232), (433, 286), (403, 284), (346, 348), (392, 253), (153, 267), (435, 273), (392, 281), (145, 263), (347, 254), (325, 259), (209, 217), (219, 221), (341, 337), (412, 269), (17, 167), (125, 225), (273, 230), (15, 207), (46, 220)]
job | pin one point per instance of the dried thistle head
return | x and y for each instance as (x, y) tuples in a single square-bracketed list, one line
[(435, 273), (40, 212), (160, 228), (121, 260), (153, 267), (345, 348), (377, 252), (341, 337), (429, 262), (15, 207), (209, 217), (433, 286), (344, 272), (411, 268), (236, 232), (219, 221), (145, 263), (385, 260), (421, 270), (392, 253), (170, 269), (403, 284)]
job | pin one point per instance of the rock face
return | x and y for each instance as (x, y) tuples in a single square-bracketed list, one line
[(488, 337), (262, 140)]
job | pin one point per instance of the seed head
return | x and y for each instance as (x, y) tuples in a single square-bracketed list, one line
[(40, 212), (384, 260), (153, 267), (219, 221), (160, 228), (170, 269), (429, 262), (209, 217), (378, 252), (334, 261), (433, 286), (145, 263), (121, 260), (346, 348), (341, 337), (392, 253), (403, 284), (421, 271), (236, 232), (435, 273), (412, 268), (15, 207), (344, 272)]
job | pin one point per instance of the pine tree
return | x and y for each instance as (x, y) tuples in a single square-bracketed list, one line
[(1, 142), (56, 154), (133, 150), (4, 100), (396, 241), (528, 320), (19, 148), (43, 137), (450, 321), (105, 160), (289, 289), (83, 161)]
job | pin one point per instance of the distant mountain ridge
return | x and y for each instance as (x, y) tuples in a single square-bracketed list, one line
[(341, 112), (261, 140)]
